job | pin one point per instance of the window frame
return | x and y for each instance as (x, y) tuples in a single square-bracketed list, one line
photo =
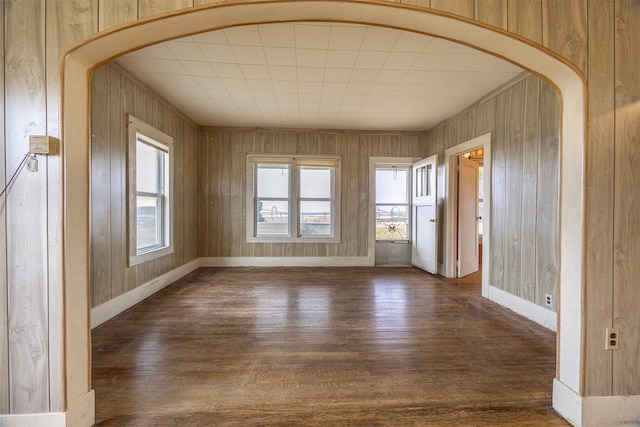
[(295, 163), (139, 131), (409, 171)]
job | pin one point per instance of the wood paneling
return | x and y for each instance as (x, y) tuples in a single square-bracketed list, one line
[(548, 183), (154, 7), (458, 7), (223, 186), (26, 201), (564, 29), (115, 12), (67, 22), (115, 93), (525, 18), (492, 12), (600, 189), (523, 119), (626, 249), (564, 24), (4, 349)]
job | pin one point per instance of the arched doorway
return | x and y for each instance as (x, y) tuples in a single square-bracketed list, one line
[(81, 59)]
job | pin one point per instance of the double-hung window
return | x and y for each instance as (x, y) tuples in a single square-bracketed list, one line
[(150, 197), (293, 199)]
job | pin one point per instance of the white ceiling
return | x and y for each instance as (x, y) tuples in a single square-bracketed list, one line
[(318, 75)]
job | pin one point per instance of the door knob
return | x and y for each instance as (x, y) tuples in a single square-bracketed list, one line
[(434, 220)]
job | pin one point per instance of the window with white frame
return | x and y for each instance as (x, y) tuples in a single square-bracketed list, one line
[(293, 199), (150, 200), (393, 184)]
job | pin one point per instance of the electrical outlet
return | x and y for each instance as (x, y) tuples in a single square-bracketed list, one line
[(613, 339), (548, 299)]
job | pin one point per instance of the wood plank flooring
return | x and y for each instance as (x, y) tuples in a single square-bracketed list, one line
[(322, 347)]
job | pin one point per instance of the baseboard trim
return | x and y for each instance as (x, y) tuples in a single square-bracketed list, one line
[(81, 414), (531, 311), (117, 305), (595, 411), (567, 403), (286, 262)]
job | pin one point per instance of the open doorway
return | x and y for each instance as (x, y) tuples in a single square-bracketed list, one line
[(470, 196), (467, 216)]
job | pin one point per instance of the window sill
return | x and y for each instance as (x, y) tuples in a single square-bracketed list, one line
[(285, 240), (151, 255)]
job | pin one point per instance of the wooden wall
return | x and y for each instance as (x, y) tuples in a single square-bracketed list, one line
[(114, 94), (599, 36), (524, 123), (223, 176)]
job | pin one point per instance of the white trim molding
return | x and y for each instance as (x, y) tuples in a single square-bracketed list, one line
[(80, 414), (534, 312), (286, 262), (117, 305)]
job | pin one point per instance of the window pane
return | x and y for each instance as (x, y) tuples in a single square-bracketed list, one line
[(391, 185), (272, 217), (147, 168), (392, 222), (315, 182), (315, 218), (149, 224), (272, 181)]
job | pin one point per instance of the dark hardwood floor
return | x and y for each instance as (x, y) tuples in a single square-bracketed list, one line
[(322, 347)]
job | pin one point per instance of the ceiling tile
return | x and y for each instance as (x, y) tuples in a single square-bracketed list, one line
[(311, 36), (310, 87), (157, 51), (279, 72), (277, 35), (342, 58), (255, 72), (209, 82), (310, 74), (218, 53), (346, 38), (371, 60), (379, 39), (198, 68), (411, 42), (337, 74), (186, 51), (280, 55), (260, 85), (318, 74), (232, 71), (245, 35), (311, 57), (212, 37)]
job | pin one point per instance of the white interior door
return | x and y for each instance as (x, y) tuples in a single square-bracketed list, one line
[(424, 230), (467, 216)]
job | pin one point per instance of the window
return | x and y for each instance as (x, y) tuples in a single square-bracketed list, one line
[(293, 199), (150, 201), (392, 202)]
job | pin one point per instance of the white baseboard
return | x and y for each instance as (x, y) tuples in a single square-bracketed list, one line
[(567, 403), (286, 262), (531, 311), (81, 414), (117, 305), (595, 411)]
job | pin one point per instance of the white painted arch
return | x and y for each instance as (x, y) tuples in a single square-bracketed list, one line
[(81, 59)]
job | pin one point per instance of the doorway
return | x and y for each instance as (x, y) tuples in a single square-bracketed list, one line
[(452, 238), (83, 57)]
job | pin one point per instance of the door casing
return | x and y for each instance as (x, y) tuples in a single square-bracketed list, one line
[(451, 207)]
